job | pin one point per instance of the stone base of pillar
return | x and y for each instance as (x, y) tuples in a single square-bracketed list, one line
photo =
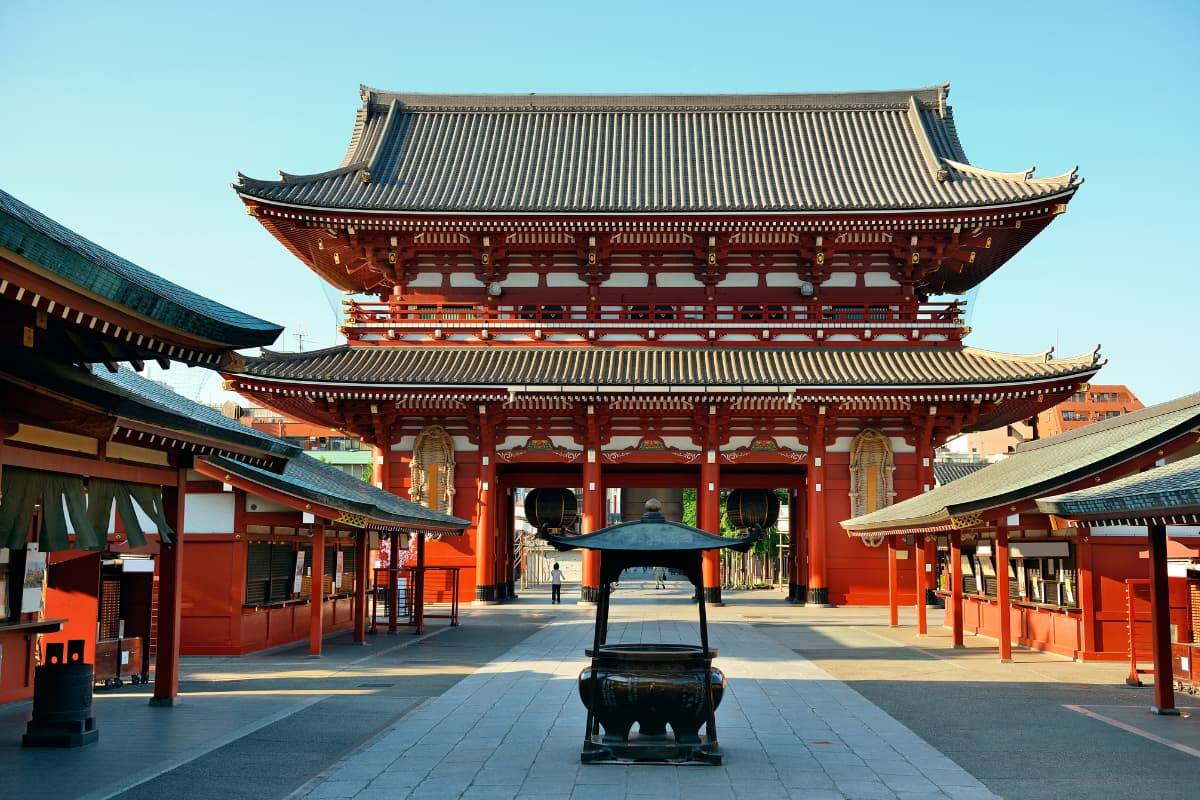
[(485, 594), (589, 594), (510, 590), (818, 597), (712, 595), (931, 599), (797, 593)]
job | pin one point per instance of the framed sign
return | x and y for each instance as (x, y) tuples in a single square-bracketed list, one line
[(299, 577), (33, 587)]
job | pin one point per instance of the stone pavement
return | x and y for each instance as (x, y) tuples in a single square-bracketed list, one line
[(256, 726), (513, 729)]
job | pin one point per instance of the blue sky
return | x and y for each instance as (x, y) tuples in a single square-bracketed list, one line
[(127, 122)]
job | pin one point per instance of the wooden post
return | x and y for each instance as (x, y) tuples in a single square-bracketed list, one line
[(930, 576), (170, 597), (393, 587), (485, 535), (708, 508), (316, 594), (593, 507), (362, 562), (956, 594), (1160, 623), (919, 585), (1002, 597), (818, 589), (798, 590), (419, 586), (893, 579)]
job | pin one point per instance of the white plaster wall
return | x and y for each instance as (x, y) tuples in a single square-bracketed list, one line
[(426, 279), (841, 280), (465, 279), (677, 280), (520, 280), (875, 279), (628, 279), (740, 279), (209, 513), (260, 504), (570, 279)]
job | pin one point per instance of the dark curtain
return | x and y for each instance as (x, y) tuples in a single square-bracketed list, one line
[(103, 492), (24, 489)]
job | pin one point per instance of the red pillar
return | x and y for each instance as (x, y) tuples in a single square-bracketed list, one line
[(956, 595), (798, 565), (1160, 623), (1085, 587), (1002, 598), (419, 586), (930, 578), (170, 597), (393, 587), (362, 563), (593, 507), (316, 596), (818, 588), (485, 536), (893, 578), (919, 583), (708, 508), (926, 581)]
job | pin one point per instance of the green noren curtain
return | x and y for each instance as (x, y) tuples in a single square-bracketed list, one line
[(102, 492), (23, 489), (62, 496)]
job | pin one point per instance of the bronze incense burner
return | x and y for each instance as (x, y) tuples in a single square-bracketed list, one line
[(668, 691)]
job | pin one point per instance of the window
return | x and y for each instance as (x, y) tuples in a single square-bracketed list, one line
[(270, 570)]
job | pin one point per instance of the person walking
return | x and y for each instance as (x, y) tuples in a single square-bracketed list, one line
[(556, 584), (660, 578)]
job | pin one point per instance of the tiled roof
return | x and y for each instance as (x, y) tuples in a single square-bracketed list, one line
[(683, 367), (946, 471), (135, 397), (308, 479), (1163, 491), (1038, 468), (655, 153), (128, 396), (86, 266)]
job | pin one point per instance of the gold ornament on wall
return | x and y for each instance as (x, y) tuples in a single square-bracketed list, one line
[(432, 469), (871, 468)]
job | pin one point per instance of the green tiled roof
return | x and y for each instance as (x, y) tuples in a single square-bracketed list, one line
[(1038, 468), (1163, 491), (307, 478), (96, 271)]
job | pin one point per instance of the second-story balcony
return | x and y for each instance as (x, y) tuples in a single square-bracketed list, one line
[(658, 323)]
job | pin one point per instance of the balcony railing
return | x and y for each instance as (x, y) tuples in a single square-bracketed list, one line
[(367, 321)]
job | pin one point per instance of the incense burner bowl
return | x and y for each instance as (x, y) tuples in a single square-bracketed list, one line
[(653, 685)]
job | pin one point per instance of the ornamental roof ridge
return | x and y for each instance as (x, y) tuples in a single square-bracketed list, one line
[(933, 97), (654, 153)]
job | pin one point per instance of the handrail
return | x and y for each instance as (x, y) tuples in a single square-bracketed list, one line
[(605, 315)]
